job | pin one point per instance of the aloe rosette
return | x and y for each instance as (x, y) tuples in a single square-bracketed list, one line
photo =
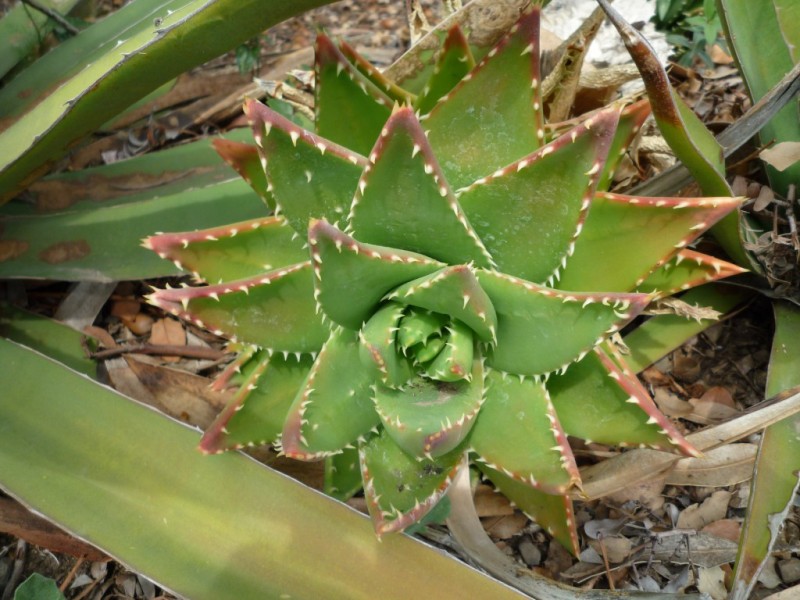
[(437, 280)]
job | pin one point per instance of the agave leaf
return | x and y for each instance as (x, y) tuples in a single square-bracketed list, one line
[(255, 415), (333, 408), (350, 109), (474, 133), (660, 335), (232, 252), (455, 359), (428, 417), (399, 488), (531, 235), (403, 200), (343, 474), (762, 65), (373, 74), (322, 188), (23, 29), (454, 61), (776, 475), (352, 278), (80, 244), (248, 511), (517, 432), (554, 513), (656, 227), (600, 401), (135, 57), (453, 291), (245, 160), (378, 348), (687, 269), (274, 310), (692, 143), (630, 122), (526, 311)]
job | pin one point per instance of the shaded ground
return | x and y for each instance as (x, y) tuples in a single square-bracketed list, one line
[(665, 535)]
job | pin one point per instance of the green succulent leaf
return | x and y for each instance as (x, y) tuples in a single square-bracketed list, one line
[(403, 200), (379, 350), (602, 401), (630, 122), (352, 278), (428, 417), (455, 60), (554, 513), (232, 252), (531, 321), (309, 177), (375, 75), (497, 128), (454, 361), (517, 432), (530, 213), (453, 291), (333, 408), (656, 227), (245, 160), (350, 109), (256, 413), (342, 479), (687, 269), (400, 489), (275, 310)]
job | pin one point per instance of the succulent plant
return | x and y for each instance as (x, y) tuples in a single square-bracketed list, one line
[(439, 280)]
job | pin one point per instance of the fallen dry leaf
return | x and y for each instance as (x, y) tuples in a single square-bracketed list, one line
[(781, 156), (697, 516), (728, 529), (670, 404), (168, 332), (700, 549), (711, 581), (617, 549), (488, 503), (721, 467)]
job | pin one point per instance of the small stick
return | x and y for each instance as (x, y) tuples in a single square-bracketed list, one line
[(160, 350), (58, 18), (71, 575)]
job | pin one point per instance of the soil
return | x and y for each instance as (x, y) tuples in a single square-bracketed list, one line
[(620, 536)]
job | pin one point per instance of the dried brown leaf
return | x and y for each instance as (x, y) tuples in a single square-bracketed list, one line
[(728, 529), (721, 467), (782, 155), (713, 508)]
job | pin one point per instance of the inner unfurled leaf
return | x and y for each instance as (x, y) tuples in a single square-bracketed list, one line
[(494, 116), (533, 321), (333, 408), (518, 433), (353, 278), (400, 489), (380, 353), (428, 417), (529, 213), (403, 200)]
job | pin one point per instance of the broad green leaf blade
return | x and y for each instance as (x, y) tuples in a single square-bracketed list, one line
[(23, 29), (455, 60), (685, 133), (254, 520), (350, 109), (453, 291), (352, 278), (333, 408), (473, 132), (310, 177), (532, 320), (517, 432), (275, 310), (554, 513), (687, 269), (256, 413), (158, 45), (52, 338), (429, 418), (38, 587), (102, 244), (636, 235), (660, 335), (403, 200), (530, 213), (776, 474), (748, 25), (232, 252), (400, 489), (599, 400)]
